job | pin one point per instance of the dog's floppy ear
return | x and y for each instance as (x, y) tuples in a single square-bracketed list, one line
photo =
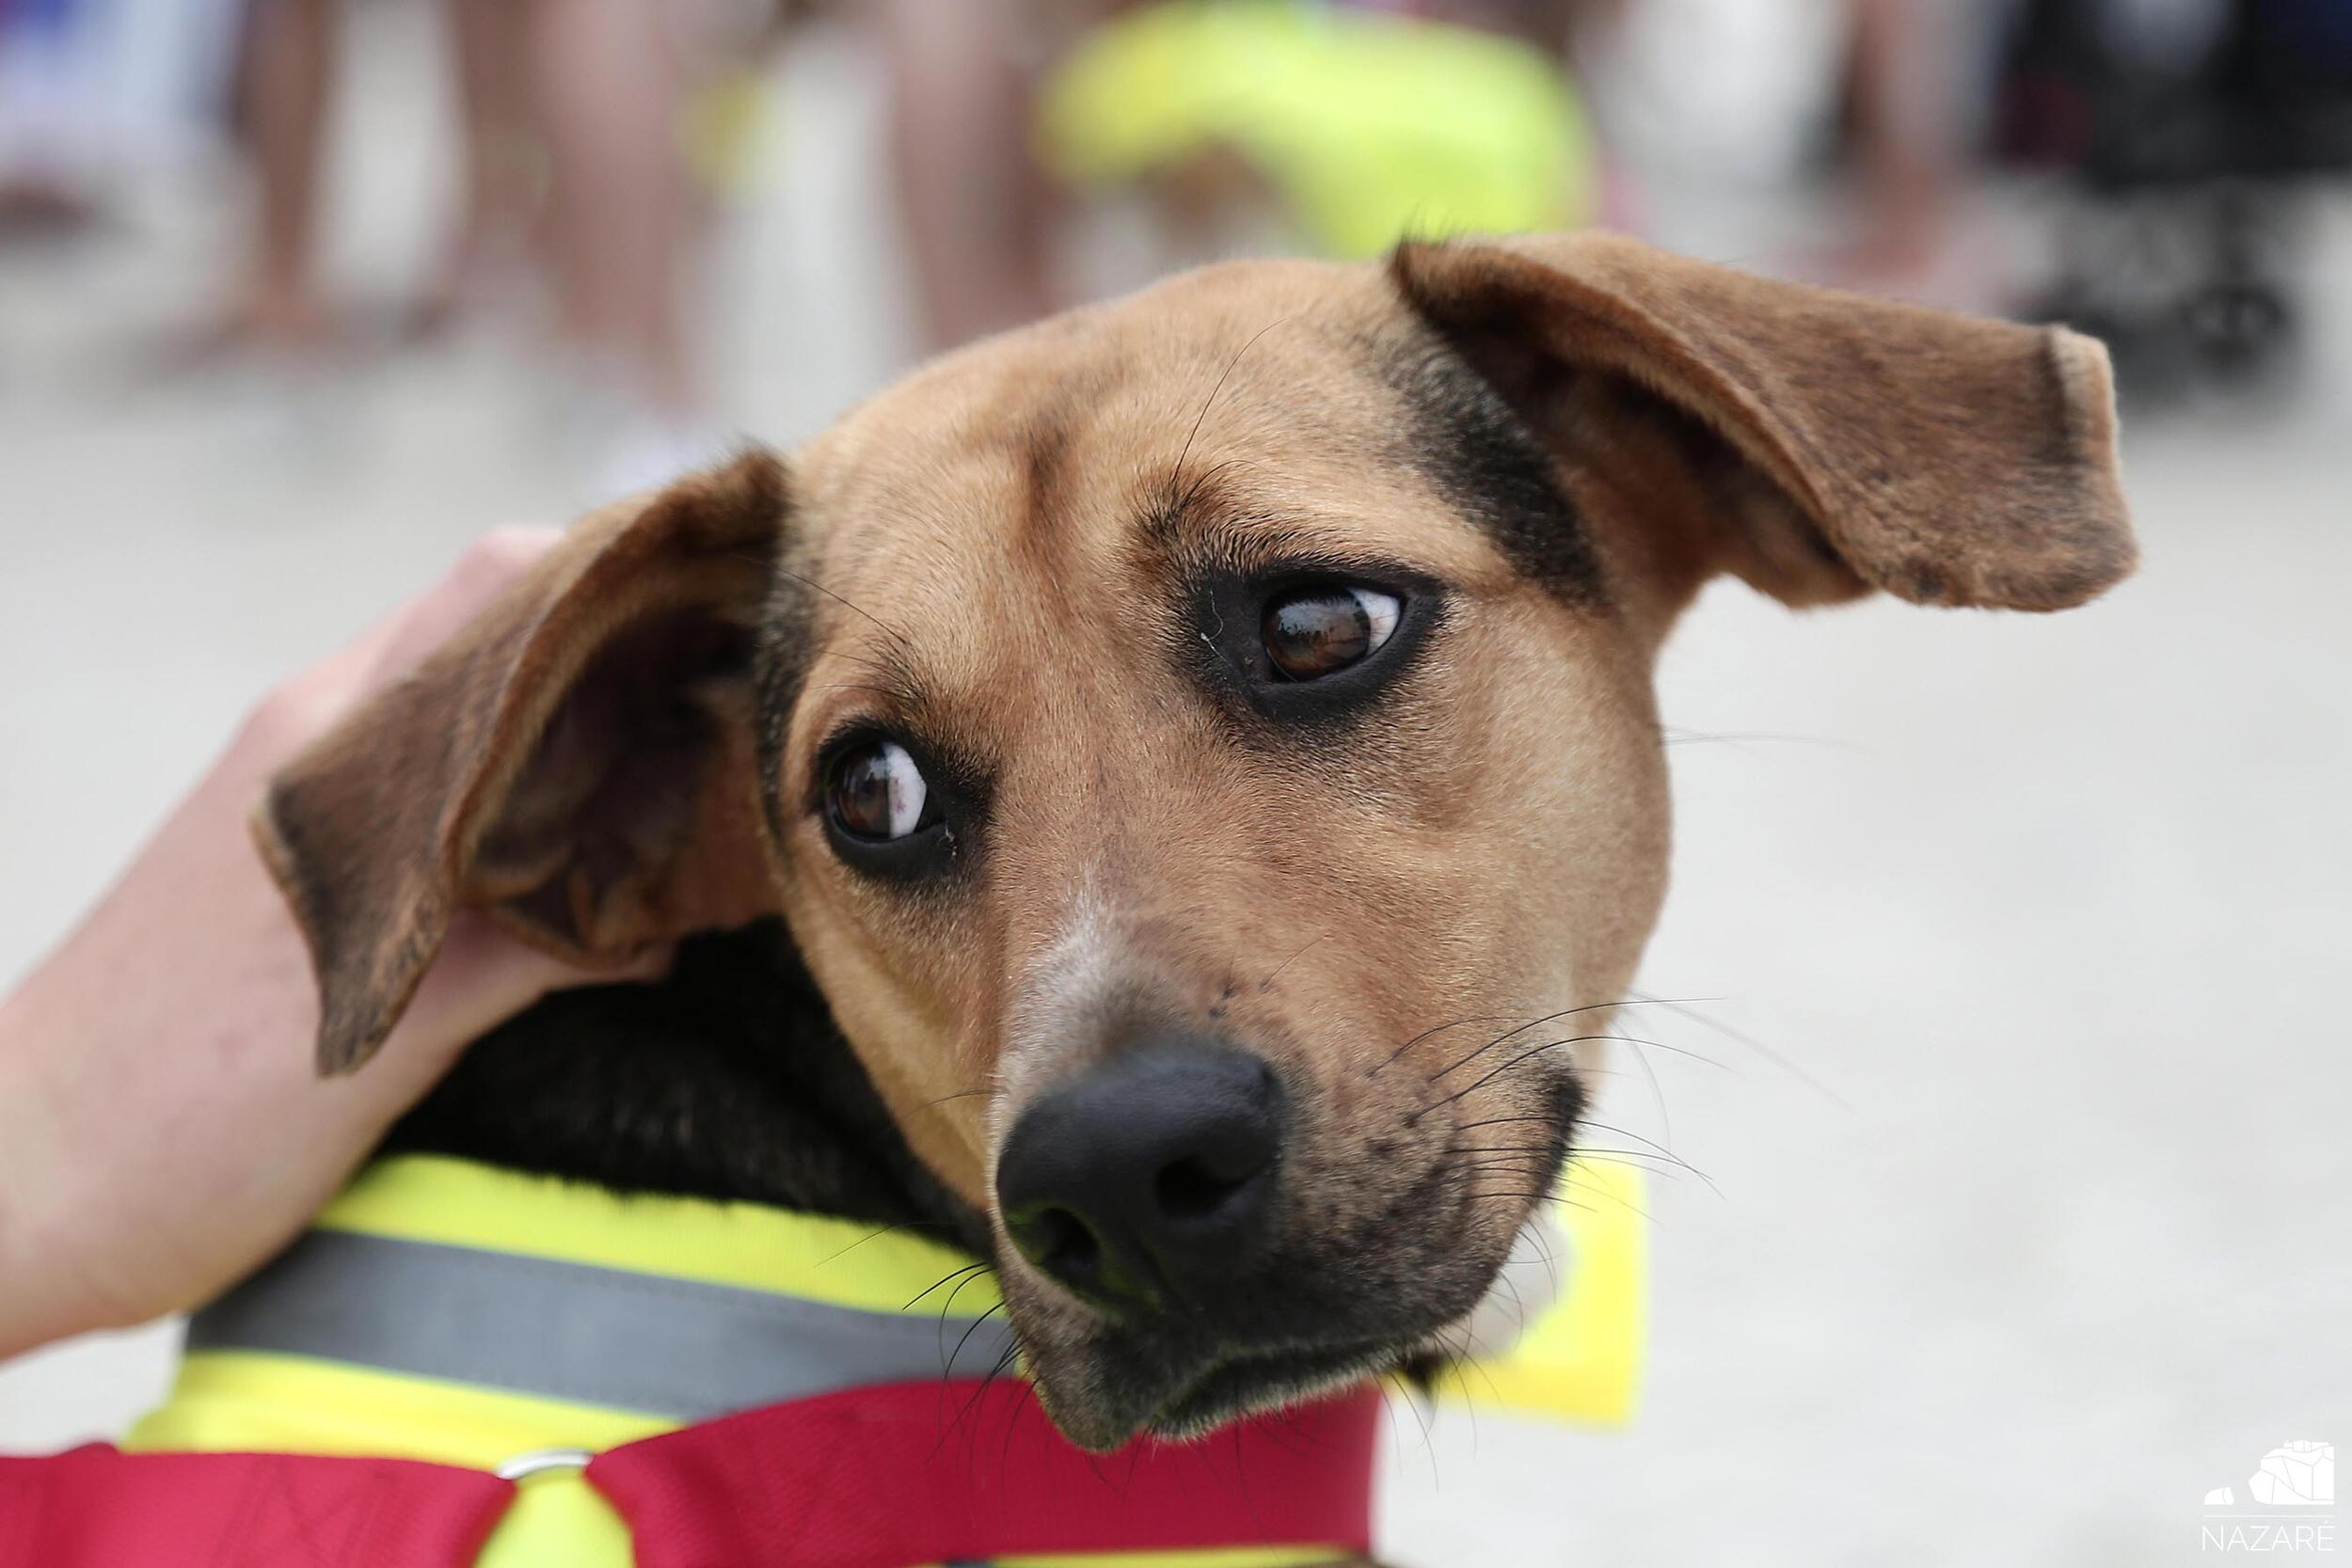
[(1844, 443), (577, 761)]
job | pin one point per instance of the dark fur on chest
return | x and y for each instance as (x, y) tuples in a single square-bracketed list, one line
[(725, 1080)]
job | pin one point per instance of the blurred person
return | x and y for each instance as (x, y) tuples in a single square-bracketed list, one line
[(1343, 127), (577, 131), (1726, 117), (49, 135), (1907, 89), (488, 251), (977, 208), (2186, 136), (282, 101)]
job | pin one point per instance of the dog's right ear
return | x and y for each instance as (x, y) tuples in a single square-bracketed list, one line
[(577, 761), (1830, 443)]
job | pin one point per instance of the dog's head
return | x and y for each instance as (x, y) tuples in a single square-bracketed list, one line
[(1204, 746)]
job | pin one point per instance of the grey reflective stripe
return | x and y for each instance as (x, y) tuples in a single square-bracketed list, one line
[(571, 1331)]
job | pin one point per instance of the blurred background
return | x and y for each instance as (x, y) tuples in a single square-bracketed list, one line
[(2020, 1093)]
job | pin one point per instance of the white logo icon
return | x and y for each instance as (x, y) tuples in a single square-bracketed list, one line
[(2288, 1503), (2295, 1473)]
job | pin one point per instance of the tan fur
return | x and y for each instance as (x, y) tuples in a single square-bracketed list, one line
[(999, 527)]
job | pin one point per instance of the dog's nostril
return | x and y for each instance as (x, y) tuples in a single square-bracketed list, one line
[(1190, 1189), (1061, 1243), (1067, 1245), (1149, 1173)]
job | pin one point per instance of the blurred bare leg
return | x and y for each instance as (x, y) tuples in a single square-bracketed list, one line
[(1907, 137), (606, 85), (491, 41), (975, 205), (289, 57)]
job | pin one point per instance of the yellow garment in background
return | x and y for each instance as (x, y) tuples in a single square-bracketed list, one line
[(1371, 127)]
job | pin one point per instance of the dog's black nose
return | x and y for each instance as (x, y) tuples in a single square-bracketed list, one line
[(1152, 1173)]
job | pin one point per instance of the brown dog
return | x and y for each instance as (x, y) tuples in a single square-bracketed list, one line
[(1203, 747)]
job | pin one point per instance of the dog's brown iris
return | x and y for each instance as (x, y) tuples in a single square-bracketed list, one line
[(876, 792), (1324, 630)]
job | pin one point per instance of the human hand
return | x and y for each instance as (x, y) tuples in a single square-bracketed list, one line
[(162, 1127)]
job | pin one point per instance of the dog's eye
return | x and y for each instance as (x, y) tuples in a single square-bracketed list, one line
[(1321, 631), (875, 792)]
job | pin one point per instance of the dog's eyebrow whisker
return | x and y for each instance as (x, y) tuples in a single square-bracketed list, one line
[(1185, 504), (881, 670), (890, 671), (884, 665), (885, 627), (890, 692), (1223, 376)]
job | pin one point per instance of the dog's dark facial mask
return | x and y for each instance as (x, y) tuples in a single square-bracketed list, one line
[(1203, 749)]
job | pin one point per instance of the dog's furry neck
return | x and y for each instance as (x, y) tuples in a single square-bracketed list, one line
[(726, 1080)]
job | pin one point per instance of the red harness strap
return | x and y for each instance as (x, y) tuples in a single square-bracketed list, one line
[(95, 1508), (870, 1478)]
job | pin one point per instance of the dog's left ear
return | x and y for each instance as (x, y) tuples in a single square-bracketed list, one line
[(577, 761), (1840, 443)]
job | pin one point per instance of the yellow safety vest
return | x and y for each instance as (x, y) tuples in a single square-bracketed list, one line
[(450, 1311)]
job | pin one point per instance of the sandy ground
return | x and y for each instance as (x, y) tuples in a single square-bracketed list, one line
[(2050, 1236)]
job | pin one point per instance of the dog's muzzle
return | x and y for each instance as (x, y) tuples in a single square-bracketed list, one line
[(1148, 1180)]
